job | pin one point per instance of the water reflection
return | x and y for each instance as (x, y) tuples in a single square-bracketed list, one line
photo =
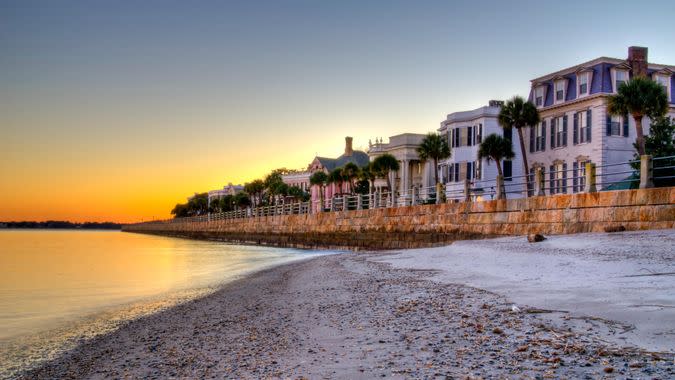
[(57, 286)]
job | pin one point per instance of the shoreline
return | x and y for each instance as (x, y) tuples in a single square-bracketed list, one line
[(348, 316)]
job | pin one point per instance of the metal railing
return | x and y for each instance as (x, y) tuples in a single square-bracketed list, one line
[(582, 178)]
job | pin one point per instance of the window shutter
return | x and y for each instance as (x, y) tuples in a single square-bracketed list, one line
[(554, 126), (575, 133), (588, 125), (625, 126), (575, 176), (609, 125), (532, 133), (551, 177), (564, 186), (469, 136), (543, 135), (564, 134)]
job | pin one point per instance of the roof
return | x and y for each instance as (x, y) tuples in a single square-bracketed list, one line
[(357, 157)]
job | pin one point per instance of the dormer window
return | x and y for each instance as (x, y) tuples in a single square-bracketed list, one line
[(583, 83), (539, 96), (620, 78), (560, 90), (663, 78)]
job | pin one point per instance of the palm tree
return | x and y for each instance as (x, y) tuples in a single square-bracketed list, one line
[(349, 173), (497, 148), (385, 164), (319, 179), (255, 189), (433, 147), (335, 177), (639, 97), (517, 113)]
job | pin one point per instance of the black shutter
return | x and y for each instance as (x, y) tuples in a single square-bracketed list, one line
[(564, 185), (469, 136), (609, 125), (575, 134), (533, 131), (564, 134), (588, 125), (625, 126), (575, 176), (554, 126), (551, 177), (543, 136)]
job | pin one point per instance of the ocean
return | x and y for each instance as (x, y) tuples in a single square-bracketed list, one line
[(61, 287)]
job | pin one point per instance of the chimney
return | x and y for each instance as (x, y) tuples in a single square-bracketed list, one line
[(637, 59), (348, 146)]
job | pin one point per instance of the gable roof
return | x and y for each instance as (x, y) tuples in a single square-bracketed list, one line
[(357, 157)]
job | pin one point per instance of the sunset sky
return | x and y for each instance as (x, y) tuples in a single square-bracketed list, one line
[(118, 110)]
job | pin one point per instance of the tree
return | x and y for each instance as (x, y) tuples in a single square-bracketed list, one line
[(255, 190), (385, 164), (660, 143), (349, 173), (335, 177), (517, 113), (319, 179), (180, 211), (435, 148), (497, 148), (639, 97), (241, 200), (274, 184)]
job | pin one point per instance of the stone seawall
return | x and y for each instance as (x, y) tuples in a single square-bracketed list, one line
[(432, 225)]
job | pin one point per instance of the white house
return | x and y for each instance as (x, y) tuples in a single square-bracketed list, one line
[(576, 126), (464, 132)]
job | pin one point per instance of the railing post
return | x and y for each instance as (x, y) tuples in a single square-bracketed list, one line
[(590, 178), (345, 203), (359, 201), (539, 182), (646, 171), (378, 200), (467, 191), (413, 200), (501, 193)]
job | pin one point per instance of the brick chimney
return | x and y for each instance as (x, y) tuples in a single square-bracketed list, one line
[(348, 146), (637, 59)]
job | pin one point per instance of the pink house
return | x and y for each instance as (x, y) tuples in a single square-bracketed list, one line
[(328, 164)]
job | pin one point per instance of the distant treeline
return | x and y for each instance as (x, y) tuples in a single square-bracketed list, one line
[(59, 224)]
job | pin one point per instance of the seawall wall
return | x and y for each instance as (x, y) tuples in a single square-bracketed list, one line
[(433, 225)]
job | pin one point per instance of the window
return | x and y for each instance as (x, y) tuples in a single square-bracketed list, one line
[(479, 134), (617, 125), (621, 78), (582, 127), (508, 169), (583, 84), (538, 137), (579, 176), (508, 134), (558, 178), (539, 96), (558, 132), (664, 81), (560, 91)]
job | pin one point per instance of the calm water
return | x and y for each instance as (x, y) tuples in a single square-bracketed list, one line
[(60, 287)]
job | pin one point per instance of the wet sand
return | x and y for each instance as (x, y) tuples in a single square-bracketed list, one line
[(349, 316)]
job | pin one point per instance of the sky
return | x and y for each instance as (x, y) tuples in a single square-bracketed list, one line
[(118, 110)]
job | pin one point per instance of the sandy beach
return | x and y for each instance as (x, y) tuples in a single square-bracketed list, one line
[(406, 314)]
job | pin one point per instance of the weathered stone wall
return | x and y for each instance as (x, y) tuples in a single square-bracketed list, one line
[(430, 225)]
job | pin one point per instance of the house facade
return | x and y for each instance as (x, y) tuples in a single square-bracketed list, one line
[(575, 126), (413, 173), (464, 131), (326, 165), (230, 189)]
